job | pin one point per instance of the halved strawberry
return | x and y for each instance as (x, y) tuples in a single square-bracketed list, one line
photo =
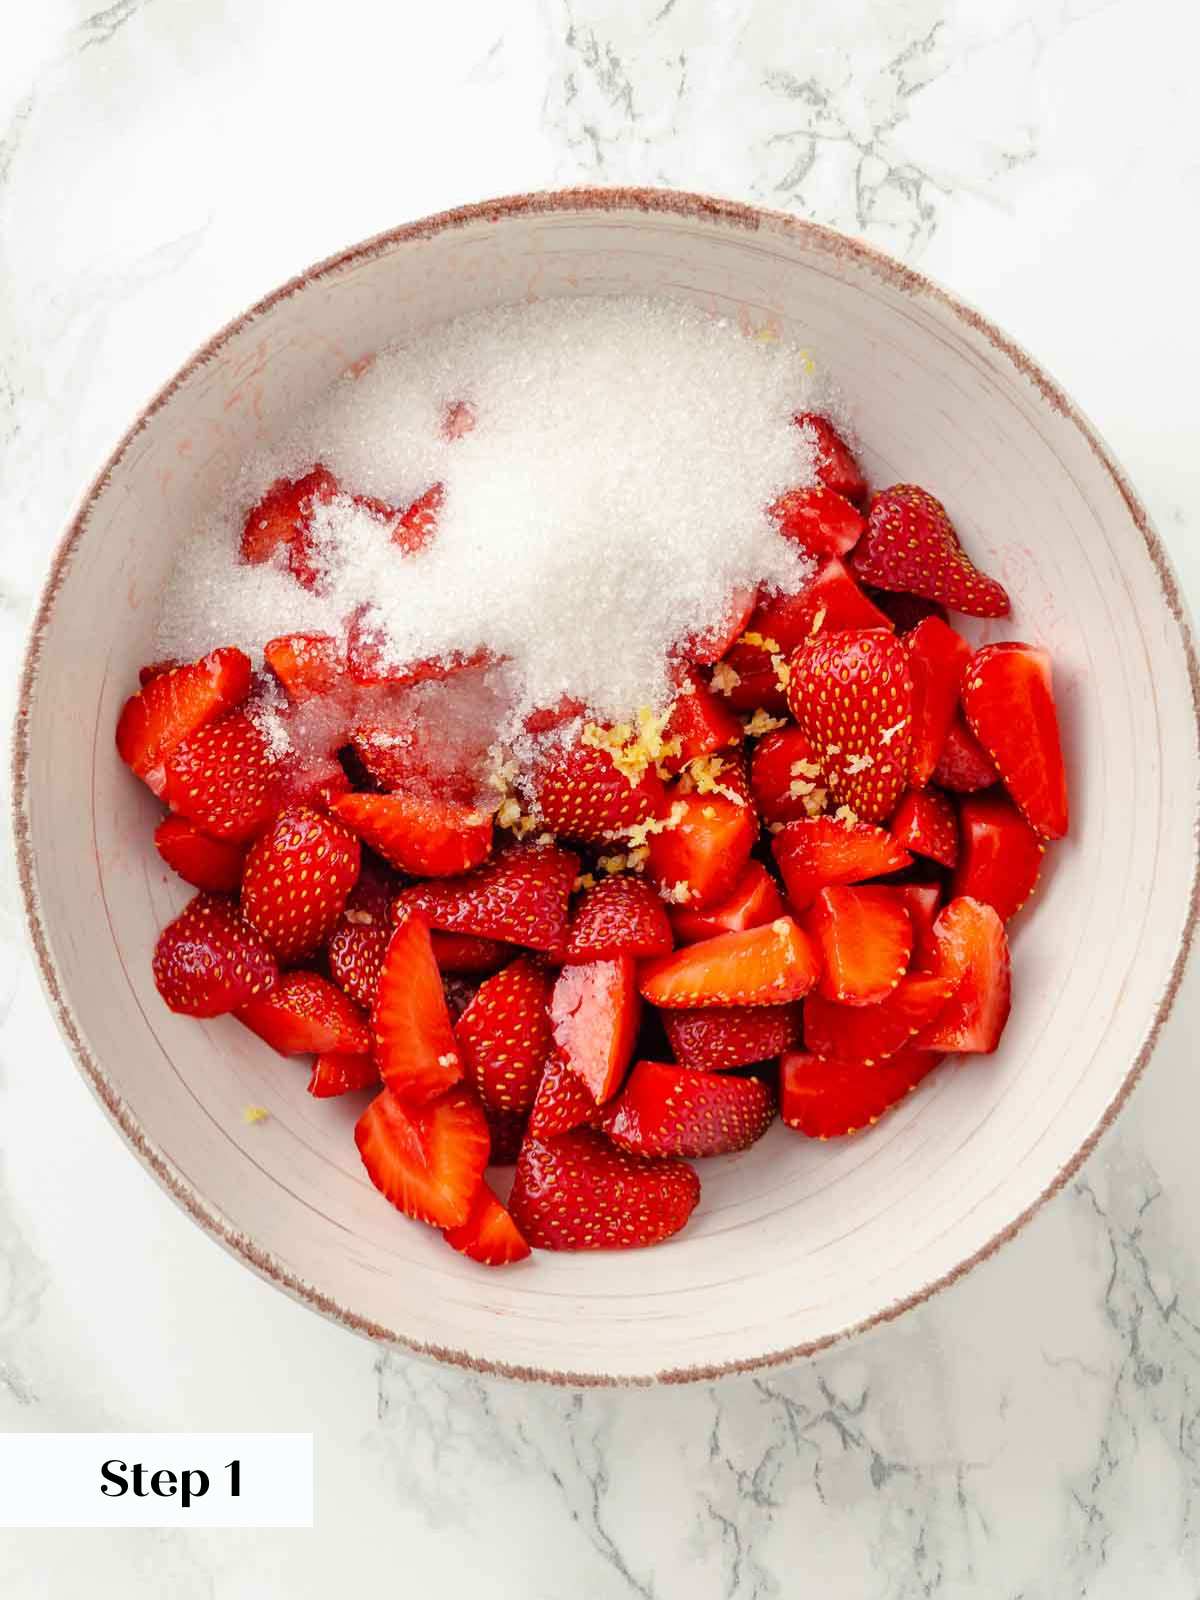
[(282, 519), (700, 721), (225, 778), (910, 544), (925, 823), (521, 895), (504, 1035), (204, 862), (415, 1046), (1008, 700), (298, 874), (595, 1011), (711, 644), (465, 952), (335, 1072), (698, 857), (583, 795), (665, 1110), (817, 851), (306, 1014), (563, 1101), (785, 777), (489, 1235), (821, 521), (210, 960), (873, 1033), (175, 704), (972, 954), (716, 1038), (865, 939), (760, 967), (618, 917), (425, 836), (429, 1159), (936, 657), (1001, 855), (579, 1192), (964, 765), (826, 1097), (836, 467), (753, 900), (306, 664)]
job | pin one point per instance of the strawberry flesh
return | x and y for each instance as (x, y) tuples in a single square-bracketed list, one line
[(595, 1011), (665, 1110), (336, 1072), (865, 938), (821, 521), (1009, 704), (1001, 855), (817, 851), (835, 464), (205, 863), (428, 837), (579, 1192), (753, 900), (173, 705), (305, 1013), (827, 1097), (489, 1235), (760, 967), (414, 1041), (925, 823), (428, 1160), (308, 665), (700, 723), (936, 658), (873, 1033), (972, 953), (717, 1038), (698, 857)]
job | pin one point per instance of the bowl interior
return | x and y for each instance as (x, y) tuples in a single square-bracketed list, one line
[(795, 1241)]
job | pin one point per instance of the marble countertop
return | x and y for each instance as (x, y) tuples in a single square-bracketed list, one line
[(1034, 1432)]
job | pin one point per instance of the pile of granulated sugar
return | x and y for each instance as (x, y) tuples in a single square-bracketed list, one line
[(607, 503)]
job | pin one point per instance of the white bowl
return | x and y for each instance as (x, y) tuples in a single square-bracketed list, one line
[(794, 1243)]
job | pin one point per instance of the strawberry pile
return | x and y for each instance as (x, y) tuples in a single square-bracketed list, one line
[(789, 895)]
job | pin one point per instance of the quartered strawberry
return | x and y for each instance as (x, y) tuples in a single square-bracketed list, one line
[(359, 941), (713, 643), (873, 1033), (579, 1192), (425, 836), (563, 1101), (507, 1132), (904, 611), (696, 859), (1008, 700), (210, 960), (298, 874), (665, 1110), (925, 823), (836, 466), (464, 952), (821, 521), (335, 1072), (851, 694), (785, 777), (753, 900), (972, 955), (618, 917), (864, 936), (831, 603), (964, 765), (936, 658), (700, 722), (817, 851), (1000, 856), (520, 895), (282, 520), (716, 1038), (225, 778), (306, 664), (922, 901), (414, 1042), (305, 1014), (175, 704), (427, 1159), (582, 794), (826, 1097), (595, 1012), (504, 1035), (489, 1235), (910, 544), (206, 863), (760, 967)]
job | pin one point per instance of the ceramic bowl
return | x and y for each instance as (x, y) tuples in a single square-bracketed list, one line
[(795, 1243)]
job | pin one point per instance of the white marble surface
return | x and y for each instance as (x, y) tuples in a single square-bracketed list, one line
[(1033, 1434)]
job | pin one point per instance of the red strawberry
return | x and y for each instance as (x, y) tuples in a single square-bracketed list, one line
[(369, 658), (1001, 855), (463, 952), (972, 953), (282, 519), (697, 859), (298, 874), (827, 1097), (417, 523), (520, 895), (753, 900), (336, 1073), (175, 704), (546, 718), (910, 544), (751, 675), (904, 611), (563, 1101), (817, 851), (429, 1159), (209, 960), (785, 777), (578, 1192), (873, 1033), (760, 967), (595, 1010), (831, 603), (922, 901), (358, 943), (936, 657), (700, 721), (665, 1110), (925, 823), (304, 1013), (821, 521), (836, 466), (225, 778), (206, 863), (415, 1046), (619, 917), (582, 794), (504, 1035), (964, 765), (715, 1038), (317, 783), (430, 838), (865, 938), (1008, 701), (507, 1132), (489, 1235), (306, 664), (713, 643)]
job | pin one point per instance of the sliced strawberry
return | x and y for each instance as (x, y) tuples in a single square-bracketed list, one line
[(210, 960), (753, 900), (579, 1192), (817, 851), (464, 952), (972, 953), (713, 643), (836, 466), (785, 777), (595, 1011), (206, 863), (298, 874), (583, 795), (821, 521), (1001, 855), (936, 657), (619, 917), (873, 1033), (700, 721), (760, 967), (665, 1110), (429, 1159), (415, 1047), (507, 1132), (964, 765), (698, 857), (504, 1035), (521, 896), (865, 939), (306, 1014), (225, 778), (831, 603), (910, 544), (430, 838), (563, 1101), (489, 1235), (751, 675), (922, 901), (336, 1073), (925, 823), (175, 704), (282, 520), (1008, 700), (715, 1038), (904, 611), (307, 664), (826, 1097)]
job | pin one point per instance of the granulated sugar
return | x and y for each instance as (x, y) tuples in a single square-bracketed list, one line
[(608, 500)]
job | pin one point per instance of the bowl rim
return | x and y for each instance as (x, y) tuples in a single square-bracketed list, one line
[(558, 202)]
